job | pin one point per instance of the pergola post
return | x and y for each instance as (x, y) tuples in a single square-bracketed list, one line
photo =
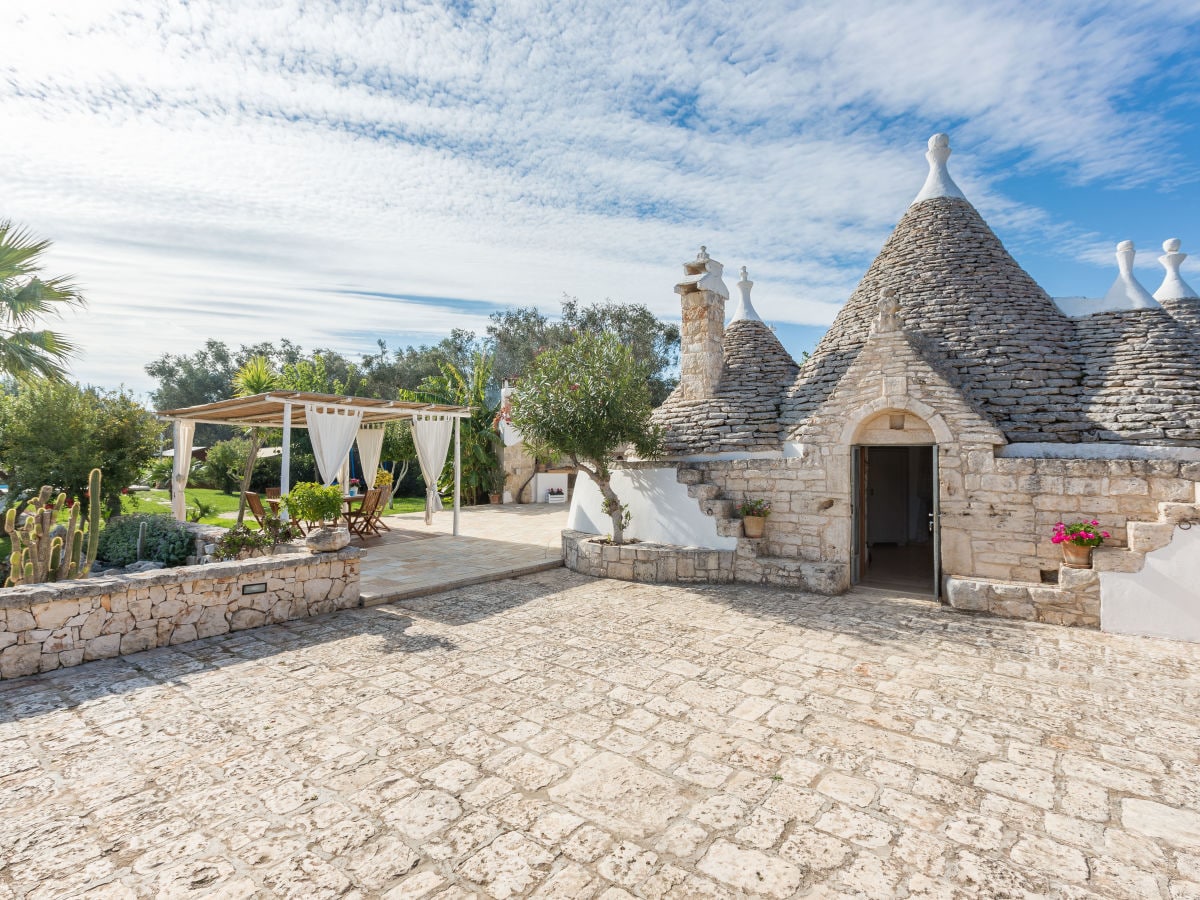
[(285, 459), (457, 471)]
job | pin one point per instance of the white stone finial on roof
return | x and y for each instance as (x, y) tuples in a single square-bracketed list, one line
[(938, 183), (1173, 286), (745, 311), (1126, 292)]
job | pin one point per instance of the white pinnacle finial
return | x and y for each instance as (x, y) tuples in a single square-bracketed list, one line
[(938, 183), (1126, 292), (1173, 286), (745, 311)]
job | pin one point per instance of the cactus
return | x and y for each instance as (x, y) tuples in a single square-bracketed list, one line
[(38, 555)]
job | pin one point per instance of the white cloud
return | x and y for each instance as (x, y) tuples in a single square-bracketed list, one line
[(236, 169)]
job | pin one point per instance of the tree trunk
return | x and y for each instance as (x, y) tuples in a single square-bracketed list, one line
[(255, 438), (615, 510)]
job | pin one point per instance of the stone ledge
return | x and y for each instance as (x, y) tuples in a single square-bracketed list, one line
[(47, 592), (1074, 602)]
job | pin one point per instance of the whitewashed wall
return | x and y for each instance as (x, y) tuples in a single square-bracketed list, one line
[(662, 510), (1162, 600)]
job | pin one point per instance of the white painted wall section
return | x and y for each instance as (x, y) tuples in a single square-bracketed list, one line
[(662, 510), (1162, 600)]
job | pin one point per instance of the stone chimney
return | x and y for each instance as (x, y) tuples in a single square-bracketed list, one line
[(702, 295)]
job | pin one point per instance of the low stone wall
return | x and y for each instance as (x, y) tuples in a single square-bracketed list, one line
[(1075, 600), (51, 626), (645, 561)]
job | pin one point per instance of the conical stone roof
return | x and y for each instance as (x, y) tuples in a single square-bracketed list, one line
[(744, 414), (974, 314)]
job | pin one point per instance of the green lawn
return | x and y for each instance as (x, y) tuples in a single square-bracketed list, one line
[(160, 502)]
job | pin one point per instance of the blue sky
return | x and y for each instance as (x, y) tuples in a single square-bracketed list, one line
[(251, 170)]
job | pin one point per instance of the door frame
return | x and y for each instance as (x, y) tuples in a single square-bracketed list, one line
[(859, 474)]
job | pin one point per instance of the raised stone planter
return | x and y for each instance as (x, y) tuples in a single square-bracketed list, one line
[(643, 561), (51, 626)]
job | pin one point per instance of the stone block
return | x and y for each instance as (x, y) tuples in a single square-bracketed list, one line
[(965, 594), (103, 647), (20, 659), (136, 641), (246, 618)]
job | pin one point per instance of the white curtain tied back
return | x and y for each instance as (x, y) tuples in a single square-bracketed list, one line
[(332, 431), (181, 466), (431, 435), (370, 448)]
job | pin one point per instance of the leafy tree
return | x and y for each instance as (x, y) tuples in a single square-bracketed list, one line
[(587, 401), (516, 337), (224, 464), (471, 387), (386, 373), (325, 372), (204, 376), (26, 298), (55, 433)]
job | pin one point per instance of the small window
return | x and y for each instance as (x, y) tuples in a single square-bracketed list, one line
[(896, 421)]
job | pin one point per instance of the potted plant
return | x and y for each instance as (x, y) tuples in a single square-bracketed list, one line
[(352, 487), (556, 495), (1077, 540), (497, 487), (321, 508), (754, 517)]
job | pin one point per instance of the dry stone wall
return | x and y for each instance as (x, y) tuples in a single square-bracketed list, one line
[(52, 626)]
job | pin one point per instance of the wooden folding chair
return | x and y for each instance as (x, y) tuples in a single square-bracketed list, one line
[(256, 508), (362, 521), (273, 493)]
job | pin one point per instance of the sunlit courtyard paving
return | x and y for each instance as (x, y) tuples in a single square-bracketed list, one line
[(555, 736)]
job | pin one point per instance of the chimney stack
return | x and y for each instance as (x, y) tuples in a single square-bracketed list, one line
[(702, 295)]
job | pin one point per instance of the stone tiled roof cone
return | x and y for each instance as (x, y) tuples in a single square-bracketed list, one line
[(1125, 369)]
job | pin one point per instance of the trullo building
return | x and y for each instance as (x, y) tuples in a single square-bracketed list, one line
[(950, 416)]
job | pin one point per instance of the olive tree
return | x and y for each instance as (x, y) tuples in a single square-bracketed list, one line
[(588, 401)]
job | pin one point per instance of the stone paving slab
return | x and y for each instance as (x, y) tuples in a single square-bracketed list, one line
[(494, 543), (555, 736)]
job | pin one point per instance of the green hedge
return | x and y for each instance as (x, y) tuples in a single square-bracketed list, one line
[(166, 540)]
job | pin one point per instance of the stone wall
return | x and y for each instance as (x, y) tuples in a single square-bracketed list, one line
[(645, 561), (51, 626)]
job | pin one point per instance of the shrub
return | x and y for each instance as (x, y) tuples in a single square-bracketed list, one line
[(166, 540), (312, 502)]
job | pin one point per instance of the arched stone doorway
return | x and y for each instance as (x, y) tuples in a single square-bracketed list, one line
[(895, 491)]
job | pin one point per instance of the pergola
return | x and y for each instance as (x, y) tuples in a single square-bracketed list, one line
[(334, 422)]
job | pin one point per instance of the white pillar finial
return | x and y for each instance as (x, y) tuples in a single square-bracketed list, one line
[(1173, 286), (1126, 292), (745, 311), (938, 183)]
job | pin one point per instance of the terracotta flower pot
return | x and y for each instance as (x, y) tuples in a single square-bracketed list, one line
[(753, 526), (1076, 556)]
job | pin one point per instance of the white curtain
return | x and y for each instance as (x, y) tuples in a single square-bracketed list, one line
[(332, 432), (431, 435), (370, 448), (185, 430)]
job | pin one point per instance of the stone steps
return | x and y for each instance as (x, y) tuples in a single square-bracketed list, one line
[(1146, 537)]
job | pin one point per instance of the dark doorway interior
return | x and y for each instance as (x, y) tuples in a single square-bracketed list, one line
[(897, 528)]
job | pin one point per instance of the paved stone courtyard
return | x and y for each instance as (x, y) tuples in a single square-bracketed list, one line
[(554, 736)]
